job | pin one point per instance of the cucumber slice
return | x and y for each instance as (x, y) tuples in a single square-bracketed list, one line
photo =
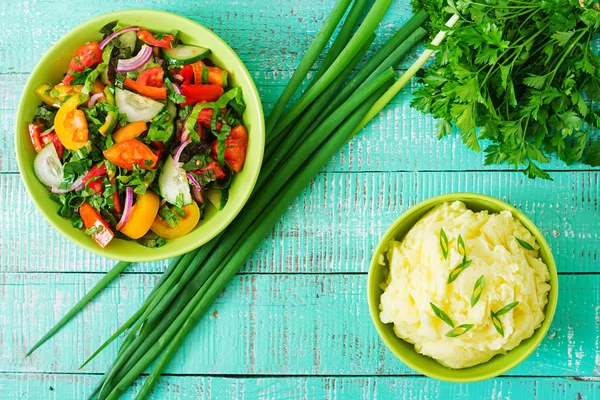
[(185, 54), (218, 197), (128, 39), (47, 166), (172, 110), (173, 183), (136, 107)]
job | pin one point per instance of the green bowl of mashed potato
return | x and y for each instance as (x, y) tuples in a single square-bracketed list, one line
[(462, 287)]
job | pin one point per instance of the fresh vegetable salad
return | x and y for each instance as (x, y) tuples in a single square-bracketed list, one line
[(142, 130)]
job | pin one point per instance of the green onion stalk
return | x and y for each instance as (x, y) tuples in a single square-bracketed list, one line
[(301, 141)]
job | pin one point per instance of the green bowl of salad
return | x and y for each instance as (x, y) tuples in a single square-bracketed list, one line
[(140, 135)]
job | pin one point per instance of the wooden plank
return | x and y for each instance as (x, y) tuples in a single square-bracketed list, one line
[(66, 387), (272, 36), (262, 325), (335, 225)]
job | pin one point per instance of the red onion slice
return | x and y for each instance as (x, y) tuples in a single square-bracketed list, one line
[(93, 99), (177, 88), (127, 208), (198, 194), (178, 154), (75, 186), (185, 135), (117, 33), (133, 63), (194, 181), (177, 77)]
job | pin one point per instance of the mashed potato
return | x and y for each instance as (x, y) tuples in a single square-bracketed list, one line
[(419, 275)]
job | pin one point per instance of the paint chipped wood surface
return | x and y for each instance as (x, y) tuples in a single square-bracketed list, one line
[(294, 324)]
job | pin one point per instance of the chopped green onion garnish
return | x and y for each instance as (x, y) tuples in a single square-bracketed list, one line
[(458, 269), (506, 308), (524, 244), (477, 290), (444, 243), (441, 315), (496, 321), (459, 330), (461, 245)]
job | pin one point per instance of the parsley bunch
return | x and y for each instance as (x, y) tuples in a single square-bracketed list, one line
[(519, 75)]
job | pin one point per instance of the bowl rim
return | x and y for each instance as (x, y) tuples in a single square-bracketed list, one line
[(90, 246), (427, 205)]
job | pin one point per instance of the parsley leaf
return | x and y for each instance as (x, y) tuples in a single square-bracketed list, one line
[(521, 75)]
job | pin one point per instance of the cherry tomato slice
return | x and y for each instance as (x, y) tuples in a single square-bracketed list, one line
[(200, 93), (149, 83), (53, 137), (219, 173), (87, 55), (166, 41), (236, 146), (92, 219), (131, 152)]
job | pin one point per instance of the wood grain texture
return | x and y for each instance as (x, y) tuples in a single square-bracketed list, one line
[(69, 387), (335, 224), (295, 324), (262, 325)]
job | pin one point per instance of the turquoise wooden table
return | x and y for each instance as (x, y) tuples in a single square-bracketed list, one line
[(294, 323)]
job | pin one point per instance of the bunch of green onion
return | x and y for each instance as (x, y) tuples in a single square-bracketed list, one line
[(301, 140)]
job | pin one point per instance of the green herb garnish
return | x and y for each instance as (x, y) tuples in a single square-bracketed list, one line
[(459, 330), (458, 269), (441, 315), (94, 229), (496, 321), (524, 244), (506, 308), (460, 243), (444, 243), (477, 290)]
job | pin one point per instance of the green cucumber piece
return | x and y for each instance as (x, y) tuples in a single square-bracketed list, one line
[(173, 183), (128, 39), (136, 107), (47, 166), (218, 197), (185, 54)]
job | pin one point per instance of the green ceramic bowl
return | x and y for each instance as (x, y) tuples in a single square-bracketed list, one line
[(54, 64), (404, 350)]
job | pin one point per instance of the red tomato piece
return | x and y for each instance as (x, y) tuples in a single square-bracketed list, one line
[(131, 152), (166, 41), (149, 83), (219, 173), (95, 184), (236, 146), (92, 219), (53, 137), (201, 93), (87, 55), (34, 135)]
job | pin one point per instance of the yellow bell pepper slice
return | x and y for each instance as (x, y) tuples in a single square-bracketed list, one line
[(142, 215), (112, 117), (130, 131), (70, 123), (183, 227), (56, 95)]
